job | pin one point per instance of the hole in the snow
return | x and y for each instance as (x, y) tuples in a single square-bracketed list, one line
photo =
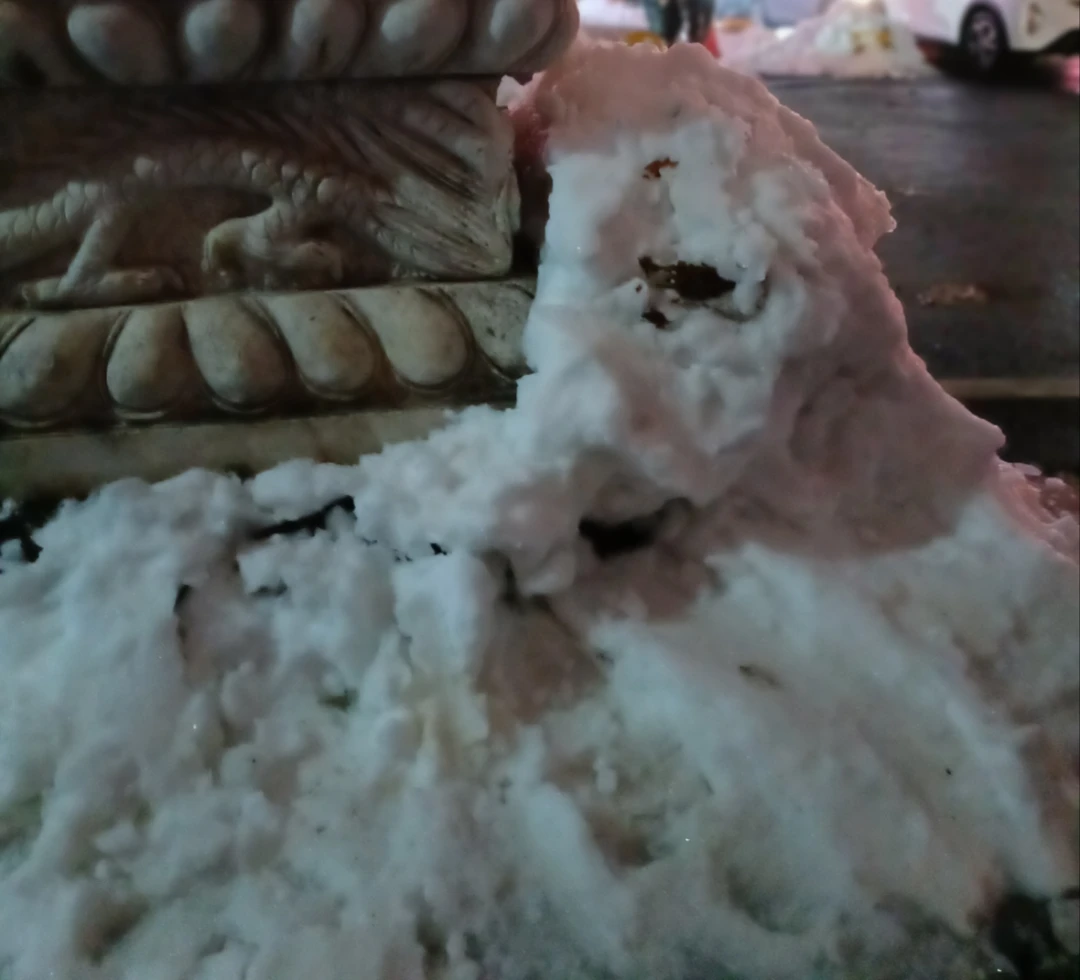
[(17, 528), (339, 702), (657, 319), (611, 540), (432, 939), (111, 932), (761, 676), (182, 595), (622, 846), (1022, 931), (308, 524), (693, 281)]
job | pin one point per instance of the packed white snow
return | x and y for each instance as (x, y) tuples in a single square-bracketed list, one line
[(611, 20), (851, 39), (812, 727)]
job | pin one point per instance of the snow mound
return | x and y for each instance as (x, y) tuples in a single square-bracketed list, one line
[(611, 19), (851, 39), (731, 652)]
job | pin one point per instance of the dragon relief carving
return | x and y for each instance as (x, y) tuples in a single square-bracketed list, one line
[(353, 185)]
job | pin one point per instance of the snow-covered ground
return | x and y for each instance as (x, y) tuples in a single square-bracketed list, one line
[(851, 39), (732, 651), (611, 20)]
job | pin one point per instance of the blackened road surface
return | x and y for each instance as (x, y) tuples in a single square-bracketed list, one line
[(985, 187)]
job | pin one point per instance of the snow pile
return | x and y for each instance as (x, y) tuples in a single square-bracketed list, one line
[(738, 47), (739, 37), (611, 19), (852, 39), (731, 652)]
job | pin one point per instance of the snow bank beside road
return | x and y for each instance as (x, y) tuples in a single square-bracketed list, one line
[(611, 20), (850, 40)]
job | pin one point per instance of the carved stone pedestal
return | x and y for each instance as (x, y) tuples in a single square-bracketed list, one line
[(214, 212)]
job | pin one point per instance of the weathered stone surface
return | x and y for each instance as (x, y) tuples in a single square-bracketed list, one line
[(65, 42), (334, 353), (496, 316), (146, 194), (219, 38), (235, 353), (320, 37), (149, 367), (259, 355), (48, 362), (204, 265), (65, 464), (421, 333), (123, 44)]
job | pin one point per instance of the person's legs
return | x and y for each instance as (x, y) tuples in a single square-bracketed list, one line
[(665, 18), (698, 15)]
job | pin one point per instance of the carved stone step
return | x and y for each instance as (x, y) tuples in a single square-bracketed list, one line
[(253, 355), (70, 464), (154, 42)]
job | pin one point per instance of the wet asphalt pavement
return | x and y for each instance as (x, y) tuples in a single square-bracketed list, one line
[(984, 182), (985, 187)]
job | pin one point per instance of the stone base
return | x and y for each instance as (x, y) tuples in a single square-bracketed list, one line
[(71, 464), (384, 347), (89, 396)]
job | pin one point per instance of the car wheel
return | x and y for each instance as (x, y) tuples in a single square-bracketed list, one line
[(984, 42)]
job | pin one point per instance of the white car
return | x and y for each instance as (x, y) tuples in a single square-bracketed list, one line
[(987, 32)]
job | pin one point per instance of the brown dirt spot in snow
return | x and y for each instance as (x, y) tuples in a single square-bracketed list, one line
[(652, 170)]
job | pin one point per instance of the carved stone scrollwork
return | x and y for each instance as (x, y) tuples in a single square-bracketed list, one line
[(234, 231), (147, 194), (297, 353), (128, 42)]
